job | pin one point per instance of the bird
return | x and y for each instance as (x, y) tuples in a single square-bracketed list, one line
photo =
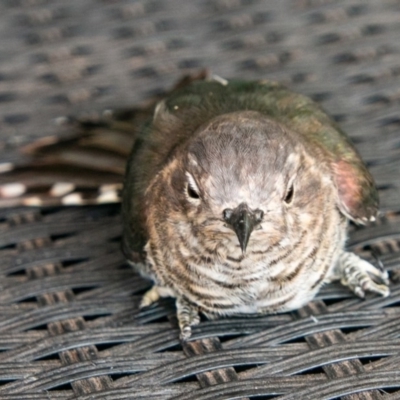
[(236, 195), (236, 199)]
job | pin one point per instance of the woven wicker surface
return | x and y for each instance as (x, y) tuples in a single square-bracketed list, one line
[(70, 326)]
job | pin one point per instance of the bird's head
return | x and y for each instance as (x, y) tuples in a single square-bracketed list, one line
[(246, 179)]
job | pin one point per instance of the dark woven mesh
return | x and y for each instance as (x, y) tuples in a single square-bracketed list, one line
[(69, 322)]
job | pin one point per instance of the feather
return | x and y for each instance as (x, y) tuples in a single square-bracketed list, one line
[(84, 167)]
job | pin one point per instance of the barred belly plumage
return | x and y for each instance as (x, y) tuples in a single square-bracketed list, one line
[(270, 277)]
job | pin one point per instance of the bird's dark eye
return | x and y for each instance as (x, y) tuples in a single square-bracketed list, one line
[(289, 195), (192, 193)]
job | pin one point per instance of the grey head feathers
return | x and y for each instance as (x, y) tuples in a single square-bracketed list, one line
[(242, 157)]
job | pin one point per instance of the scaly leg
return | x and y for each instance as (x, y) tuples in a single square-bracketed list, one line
[(361, 276), (188, 315)]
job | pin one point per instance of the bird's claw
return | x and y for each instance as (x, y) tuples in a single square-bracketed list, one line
[(360, 276), (154, 294), (150, 297), (188, 316)]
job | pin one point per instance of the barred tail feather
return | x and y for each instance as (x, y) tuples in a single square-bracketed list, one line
[(84, 166)]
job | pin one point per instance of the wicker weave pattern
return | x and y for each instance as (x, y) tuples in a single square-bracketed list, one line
[(70, 326), (69, 320)]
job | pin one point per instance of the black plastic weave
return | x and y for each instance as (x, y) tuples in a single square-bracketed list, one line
[(70, 327)]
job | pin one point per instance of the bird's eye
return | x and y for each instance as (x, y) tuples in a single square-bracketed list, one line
[(192, 190), (192, 193), (289, 195)]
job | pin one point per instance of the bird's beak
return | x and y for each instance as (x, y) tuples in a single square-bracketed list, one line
[(243, 221)]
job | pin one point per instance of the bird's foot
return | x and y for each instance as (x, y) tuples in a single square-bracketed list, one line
[(188, 315), (361, 276), (154, 294)]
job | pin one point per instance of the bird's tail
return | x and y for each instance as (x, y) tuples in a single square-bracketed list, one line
[(84, 167)]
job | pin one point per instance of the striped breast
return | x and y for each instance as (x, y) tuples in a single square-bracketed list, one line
[(278, 275)]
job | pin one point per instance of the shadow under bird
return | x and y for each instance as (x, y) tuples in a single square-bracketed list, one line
[(236, 199)]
